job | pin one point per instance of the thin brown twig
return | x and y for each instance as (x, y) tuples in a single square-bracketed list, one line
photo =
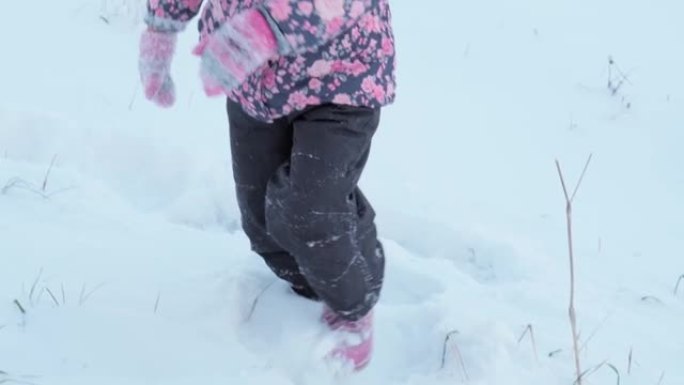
[(571, 310)]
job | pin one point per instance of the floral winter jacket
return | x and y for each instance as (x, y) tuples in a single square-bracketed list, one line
[(340, 51)]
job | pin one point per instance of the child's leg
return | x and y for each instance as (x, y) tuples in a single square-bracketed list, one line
[(258, 149), (315, 210)]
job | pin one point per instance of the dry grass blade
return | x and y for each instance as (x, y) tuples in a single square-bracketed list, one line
[(35, 284), (6, 378), (630, 360), (598, 367), (54, 299), (530, 330), (579, 182), (679, 281), (14, 182), (80, 297), (256, 300), (524, 333), (21, 308), (445, 345), (19, 183), (585, 374), (135, 93), (594, 332), (156, 303), (616, 77), (40, 295), (662, 377), (84, 297), (651, 299), (15, 381), (466, 377), (565, 188), (616, 371), (47, 174), (452, 333)]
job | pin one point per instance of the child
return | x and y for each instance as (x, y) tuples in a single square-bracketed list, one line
[(305, 81)]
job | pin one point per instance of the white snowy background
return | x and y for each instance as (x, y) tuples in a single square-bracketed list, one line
[(131, 269)]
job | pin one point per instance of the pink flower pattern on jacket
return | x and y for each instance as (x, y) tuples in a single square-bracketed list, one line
[(340, 51)]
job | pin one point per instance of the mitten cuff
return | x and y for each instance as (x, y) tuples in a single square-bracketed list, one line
[(163, 24), (158, 44)]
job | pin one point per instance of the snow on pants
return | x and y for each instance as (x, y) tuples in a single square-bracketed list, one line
[(296, 180)]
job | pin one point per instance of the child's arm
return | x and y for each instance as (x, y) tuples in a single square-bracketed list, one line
[(308, 24), (171, 15)]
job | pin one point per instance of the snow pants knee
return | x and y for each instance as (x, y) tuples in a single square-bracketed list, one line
[(296, 180)]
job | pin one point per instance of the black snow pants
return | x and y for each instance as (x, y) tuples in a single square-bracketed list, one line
[(296, 180)]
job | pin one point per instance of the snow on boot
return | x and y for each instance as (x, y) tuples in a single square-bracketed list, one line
[(353, 339)]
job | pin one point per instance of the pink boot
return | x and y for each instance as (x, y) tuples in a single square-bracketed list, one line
[(354, 344)]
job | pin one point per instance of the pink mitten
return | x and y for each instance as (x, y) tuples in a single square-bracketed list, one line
[(234, 51), (156, 52)]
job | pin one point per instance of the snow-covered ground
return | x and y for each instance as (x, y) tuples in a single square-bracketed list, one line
[(130, 266)]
